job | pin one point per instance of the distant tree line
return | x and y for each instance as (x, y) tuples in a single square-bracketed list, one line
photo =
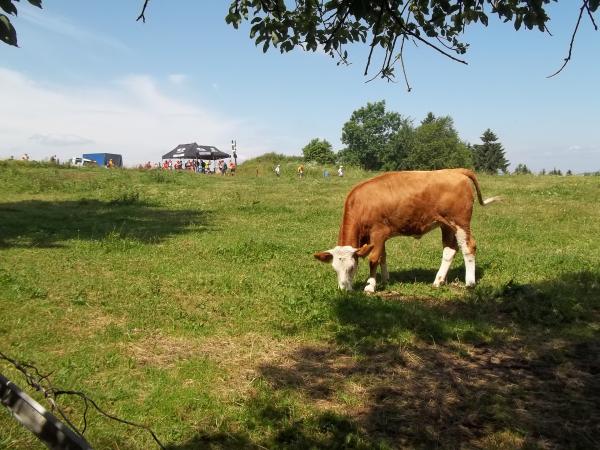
[(377, 139)]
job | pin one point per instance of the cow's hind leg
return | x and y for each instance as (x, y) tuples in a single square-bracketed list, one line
[(385, 275), (450, 247), (468, 248)]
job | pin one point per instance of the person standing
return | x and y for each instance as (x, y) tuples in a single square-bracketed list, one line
[(301, 170), (341, 171), (278, 170)]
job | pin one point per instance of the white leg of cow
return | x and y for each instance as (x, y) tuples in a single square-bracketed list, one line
[(374, 259), (447, 257), (371, 283), (469, 269), (467, 246)]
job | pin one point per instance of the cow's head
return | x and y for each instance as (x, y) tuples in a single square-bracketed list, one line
[(344, 260)]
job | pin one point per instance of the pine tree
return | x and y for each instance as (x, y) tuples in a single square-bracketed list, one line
[(522, 169), (489, 156)]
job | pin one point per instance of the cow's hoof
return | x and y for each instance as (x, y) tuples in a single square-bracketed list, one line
[(369, 289)]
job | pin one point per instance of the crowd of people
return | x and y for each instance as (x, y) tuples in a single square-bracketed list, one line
[(220, 167)]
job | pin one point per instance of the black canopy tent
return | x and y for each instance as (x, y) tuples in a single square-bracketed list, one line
[(195, 151)]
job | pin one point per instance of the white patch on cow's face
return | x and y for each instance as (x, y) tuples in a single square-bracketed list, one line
[(345, 263)]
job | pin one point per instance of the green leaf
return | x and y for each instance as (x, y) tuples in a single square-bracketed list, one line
[(593, 4), (8, 7), (484, 18), (8, 35), (518, 21), (37, 3)]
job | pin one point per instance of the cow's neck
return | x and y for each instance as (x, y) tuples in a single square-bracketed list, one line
[(349, 232)]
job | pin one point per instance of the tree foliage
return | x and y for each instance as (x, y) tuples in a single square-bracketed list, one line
[(319, 151), (384, 25), (8, 34), (522, 169), (330, 25), (367, 134), (436, 145), (489, 156), (377, 139)]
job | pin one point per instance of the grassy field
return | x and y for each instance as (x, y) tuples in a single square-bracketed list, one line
[(192, 304)]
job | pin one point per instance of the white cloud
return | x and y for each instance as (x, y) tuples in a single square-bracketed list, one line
[(177, 78), (131, 116), (62, 26), (60, 140)]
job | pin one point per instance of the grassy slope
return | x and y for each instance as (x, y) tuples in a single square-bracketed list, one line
[(193, 304)]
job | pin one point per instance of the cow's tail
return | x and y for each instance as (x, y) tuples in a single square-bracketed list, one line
[(473, 178)]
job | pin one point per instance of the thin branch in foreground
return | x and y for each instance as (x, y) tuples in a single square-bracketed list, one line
[(416, 36), (568, 58), (402, 64), (42, 384), (591, 16), (142, 16)]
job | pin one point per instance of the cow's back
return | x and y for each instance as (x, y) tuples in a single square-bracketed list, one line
[(410, 202)]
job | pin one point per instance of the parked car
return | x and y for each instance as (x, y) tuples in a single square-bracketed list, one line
[(80, 162)]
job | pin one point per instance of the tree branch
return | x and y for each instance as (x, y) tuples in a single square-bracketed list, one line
[(584, 6), (142, 16), (419, 38)]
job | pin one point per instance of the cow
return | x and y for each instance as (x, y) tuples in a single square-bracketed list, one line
[(409, 203)]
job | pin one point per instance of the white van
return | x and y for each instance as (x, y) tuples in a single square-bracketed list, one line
[(80, 162)]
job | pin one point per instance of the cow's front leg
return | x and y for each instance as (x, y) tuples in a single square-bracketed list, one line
[(374, 259), (371, 282)]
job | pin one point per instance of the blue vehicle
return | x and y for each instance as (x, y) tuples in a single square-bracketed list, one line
[(103, 158)]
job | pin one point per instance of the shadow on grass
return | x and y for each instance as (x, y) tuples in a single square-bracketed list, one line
[(327, 430), (47, 224), (428, 275), (536, 384)]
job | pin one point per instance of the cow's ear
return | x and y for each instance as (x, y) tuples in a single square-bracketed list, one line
[(364, 250), (323, 256)]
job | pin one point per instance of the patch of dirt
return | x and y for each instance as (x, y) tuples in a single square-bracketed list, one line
[(238, 356), (158, 350)]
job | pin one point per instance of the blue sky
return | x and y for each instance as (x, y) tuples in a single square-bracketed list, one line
[(87, 77)]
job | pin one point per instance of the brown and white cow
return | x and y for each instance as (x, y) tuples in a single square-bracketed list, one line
[(405, 204)]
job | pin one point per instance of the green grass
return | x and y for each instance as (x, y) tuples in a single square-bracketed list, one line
[(193, 304)]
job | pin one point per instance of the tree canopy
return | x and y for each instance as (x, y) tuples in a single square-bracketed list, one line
[(319, 151), (385, 26), (367, 135), (377, 139), (489, 156)]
